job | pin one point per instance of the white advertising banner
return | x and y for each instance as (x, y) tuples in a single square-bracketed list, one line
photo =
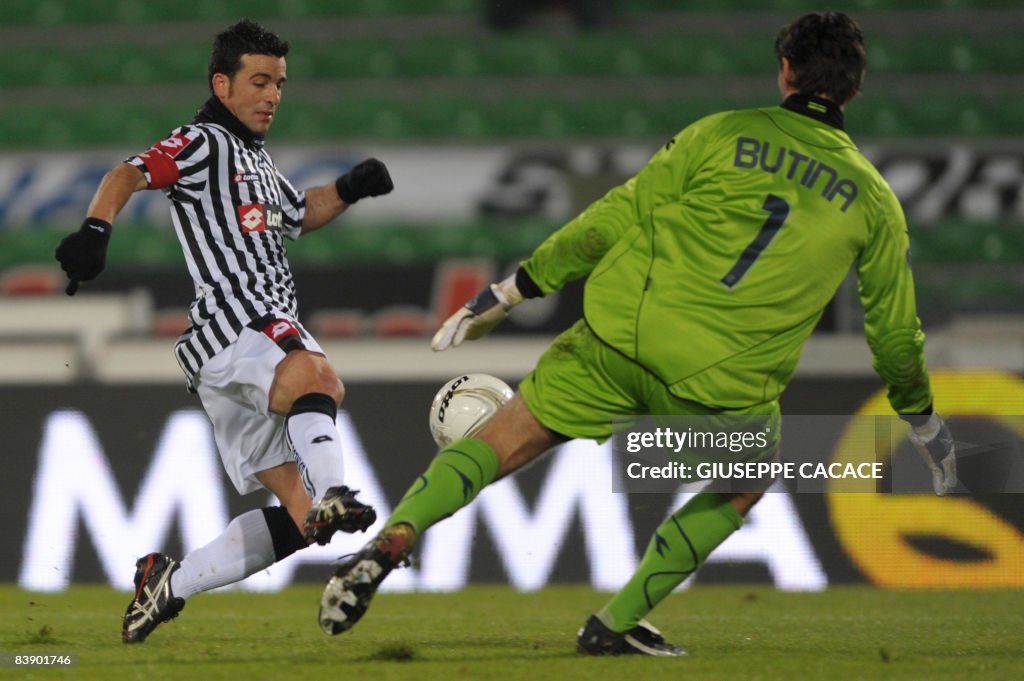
[(460, 184)]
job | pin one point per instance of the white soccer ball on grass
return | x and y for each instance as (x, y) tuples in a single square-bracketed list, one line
[(464, 405)]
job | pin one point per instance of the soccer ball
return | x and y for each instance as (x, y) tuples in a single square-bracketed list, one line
[(464, 404)]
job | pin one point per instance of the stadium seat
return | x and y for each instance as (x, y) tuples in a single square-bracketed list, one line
[(461, 117), (169, 322), (797, 6), (332, 323), (31, 280), (71, 12), (402, 321), (537, 55)]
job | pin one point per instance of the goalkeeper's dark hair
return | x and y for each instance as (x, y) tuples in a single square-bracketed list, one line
[(826, 53), (245, 37)]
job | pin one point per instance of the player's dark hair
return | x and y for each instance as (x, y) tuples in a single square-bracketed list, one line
[(245, 37), (826, 53)]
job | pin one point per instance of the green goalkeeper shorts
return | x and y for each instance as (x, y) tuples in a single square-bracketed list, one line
[(582, 388)]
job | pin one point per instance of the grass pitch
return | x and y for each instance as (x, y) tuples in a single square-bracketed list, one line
[(496, 633)]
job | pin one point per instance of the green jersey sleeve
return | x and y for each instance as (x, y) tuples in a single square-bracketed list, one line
[(893, 330), (572, 252)]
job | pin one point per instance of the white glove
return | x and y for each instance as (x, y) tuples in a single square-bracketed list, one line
[(479, 315), (934, 443)]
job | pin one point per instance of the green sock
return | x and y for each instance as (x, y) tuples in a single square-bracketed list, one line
[(679, 546), (454, 478)]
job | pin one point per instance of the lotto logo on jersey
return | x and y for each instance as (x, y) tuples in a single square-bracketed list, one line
[(255, 217), (173, 145), (250, 216)]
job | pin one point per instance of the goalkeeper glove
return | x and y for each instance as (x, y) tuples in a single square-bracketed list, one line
[(479, 315), (934, 443), (369, 178), (83, 254)]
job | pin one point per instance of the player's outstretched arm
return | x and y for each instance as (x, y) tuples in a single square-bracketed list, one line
[(935, 444), (485, 310), (566, 255), (83, 254), (572, 252), (894, 334), (323, 204)]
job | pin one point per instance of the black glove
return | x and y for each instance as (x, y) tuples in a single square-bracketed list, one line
[(83, 254), (369, 178)]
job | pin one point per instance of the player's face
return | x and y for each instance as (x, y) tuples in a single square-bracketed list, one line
[(254, 93)]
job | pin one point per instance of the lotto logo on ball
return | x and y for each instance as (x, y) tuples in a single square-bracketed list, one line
[(464, 405)]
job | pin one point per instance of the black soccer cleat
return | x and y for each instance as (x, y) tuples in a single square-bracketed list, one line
[(337, 510), (643, 639), (349, 592), (153, 603)]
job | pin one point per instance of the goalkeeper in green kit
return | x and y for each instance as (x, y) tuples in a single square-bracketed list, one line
[(707, 272)]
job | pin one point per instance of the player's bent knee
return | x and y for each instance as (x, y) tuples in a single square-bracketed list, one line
[(302, 373), (320, 377), (339, 389)]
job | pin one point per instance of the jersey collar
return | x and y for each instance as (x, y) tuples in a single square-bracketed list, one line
[(214, 111), (817, 108)]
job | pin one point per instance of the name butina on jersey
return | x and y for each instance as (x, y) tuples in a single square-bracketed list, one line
[(753, 153)]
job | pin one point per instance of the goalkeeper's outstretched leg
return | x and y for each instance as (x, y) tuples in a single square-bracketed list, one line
[(511, 439)]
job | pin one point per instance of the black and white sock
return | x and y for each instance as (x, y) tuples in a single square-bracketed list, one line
[(314, 437)]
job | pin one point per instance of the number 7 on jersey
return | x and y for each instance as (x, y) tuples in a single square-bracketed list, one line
[(778, 211)]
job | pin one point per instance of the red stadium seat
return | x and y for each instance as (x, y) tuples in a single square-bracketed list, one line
[(31, 280)]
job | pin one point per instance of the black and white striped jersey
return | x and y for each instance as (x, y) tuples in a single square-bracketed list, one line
[(231, 210)]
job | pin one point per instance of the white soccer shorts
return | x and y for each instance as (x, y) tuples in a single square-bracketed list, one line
[(234, 387)]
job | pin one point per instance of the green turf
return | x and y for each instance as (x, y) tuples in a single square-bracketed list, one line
[(495, 633)]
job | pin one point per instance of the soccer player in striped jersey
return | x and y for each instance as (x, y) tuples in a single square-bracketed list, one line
[(706, 272), (266, 384)]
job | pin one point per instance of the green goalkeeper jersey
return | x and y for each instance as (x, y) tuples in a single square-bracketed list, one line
[(713, 264)]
